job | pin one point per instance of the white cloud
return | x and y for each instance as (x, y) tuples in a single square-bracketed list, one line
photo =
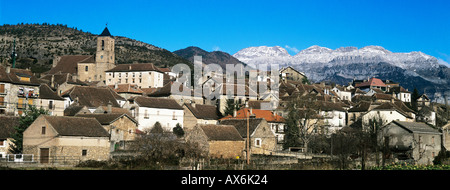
[(216, 48), (293, 49), (443, 62)]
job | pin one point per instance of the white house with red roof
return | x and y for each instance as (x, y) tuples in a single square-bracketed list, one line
[(372, 83)]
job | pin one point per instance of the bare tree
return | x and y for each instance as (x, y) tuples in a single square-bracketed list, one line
[(303, 120), (162, 146)]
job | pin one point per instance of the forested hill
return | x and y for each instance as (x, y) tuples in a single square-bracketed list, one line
[(38, 44)]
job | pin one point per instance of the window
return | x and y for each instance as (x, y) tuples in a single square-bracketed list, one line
[(174, 117), (86, 68), (83, 152), (2, 88), (257, 142), (103, 44), (146, 114), (43, 130)]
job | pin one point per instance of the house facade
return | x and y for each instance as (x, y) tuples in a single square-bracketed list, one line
[(199, 114), (387, 112), (66, 140), (277, 123), (217, 141), (121, 128), (262, 139), (148, 110), (144, 75), (411, 141), (50, 100), (18, 89)]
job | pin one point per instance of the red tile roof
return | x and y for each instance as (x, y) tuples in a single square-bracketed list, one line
[(266, 114), (372, 82)]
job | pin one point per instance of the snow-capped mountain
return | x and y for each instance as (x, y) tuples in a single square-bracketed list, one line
[(412, 69), (248, 54)]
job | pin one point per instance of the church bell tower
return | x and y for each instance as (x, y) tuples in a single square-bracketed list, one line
[(104, 57)]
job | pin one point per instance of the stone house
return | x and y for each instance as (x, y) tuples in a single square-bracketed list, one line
[(262, 139), (199, 114), (217, 141), (121, 128), (446, 136), (18, 89), (289, 73), (411, 141), (7, 124), (66, 140), (277, 123)]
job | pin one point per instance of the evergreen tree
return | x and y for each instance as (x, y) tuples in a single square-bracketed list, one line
[(230, 107), (31, 114), (415, 95), (178, 131)]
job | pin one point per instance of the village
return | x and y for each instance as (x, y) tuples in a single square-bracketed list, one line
[(96, 110)]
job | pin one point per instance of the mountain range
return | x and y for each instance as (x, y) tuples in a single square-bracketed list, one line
[(412, 70)]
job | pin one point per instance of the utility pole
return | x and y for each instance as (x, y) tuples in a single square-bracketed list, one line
[(248, 139)]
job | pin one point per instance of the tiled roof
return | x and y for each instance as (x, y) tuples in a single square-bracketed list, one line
[(106, 119), (134, 67), (268, 115), (126, 88), (45, 92), (69, 64), (151, 102), (201, 111), (92, 96), (241, 125), (14, 74), (371, 82), (76, 126), (221, 132), (416, 127)]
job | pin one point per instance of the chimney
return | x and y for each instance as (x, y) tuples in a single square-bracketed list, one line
[(116, 86), (8, 69), (74, 78), (193, 104), (109, 107), (234, 113), (52, 81)]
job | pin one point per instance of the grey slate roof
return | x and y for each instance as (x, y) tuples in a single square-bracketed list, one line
[(221, 132), (76, 126), (416, 127)]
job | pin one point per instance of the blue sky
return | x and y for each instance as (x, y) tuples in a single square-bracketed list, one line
[(231, 25)]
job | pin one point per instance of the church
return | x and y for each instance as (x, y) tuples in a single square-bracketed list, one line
[(88, 68)]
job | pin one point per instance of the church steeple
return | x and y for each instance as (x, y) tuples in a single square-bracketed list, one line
[(105, 32)]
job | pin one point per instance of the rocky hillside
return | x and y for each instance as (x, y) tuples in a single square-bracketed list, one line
[(216, 57), (37, 44)]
